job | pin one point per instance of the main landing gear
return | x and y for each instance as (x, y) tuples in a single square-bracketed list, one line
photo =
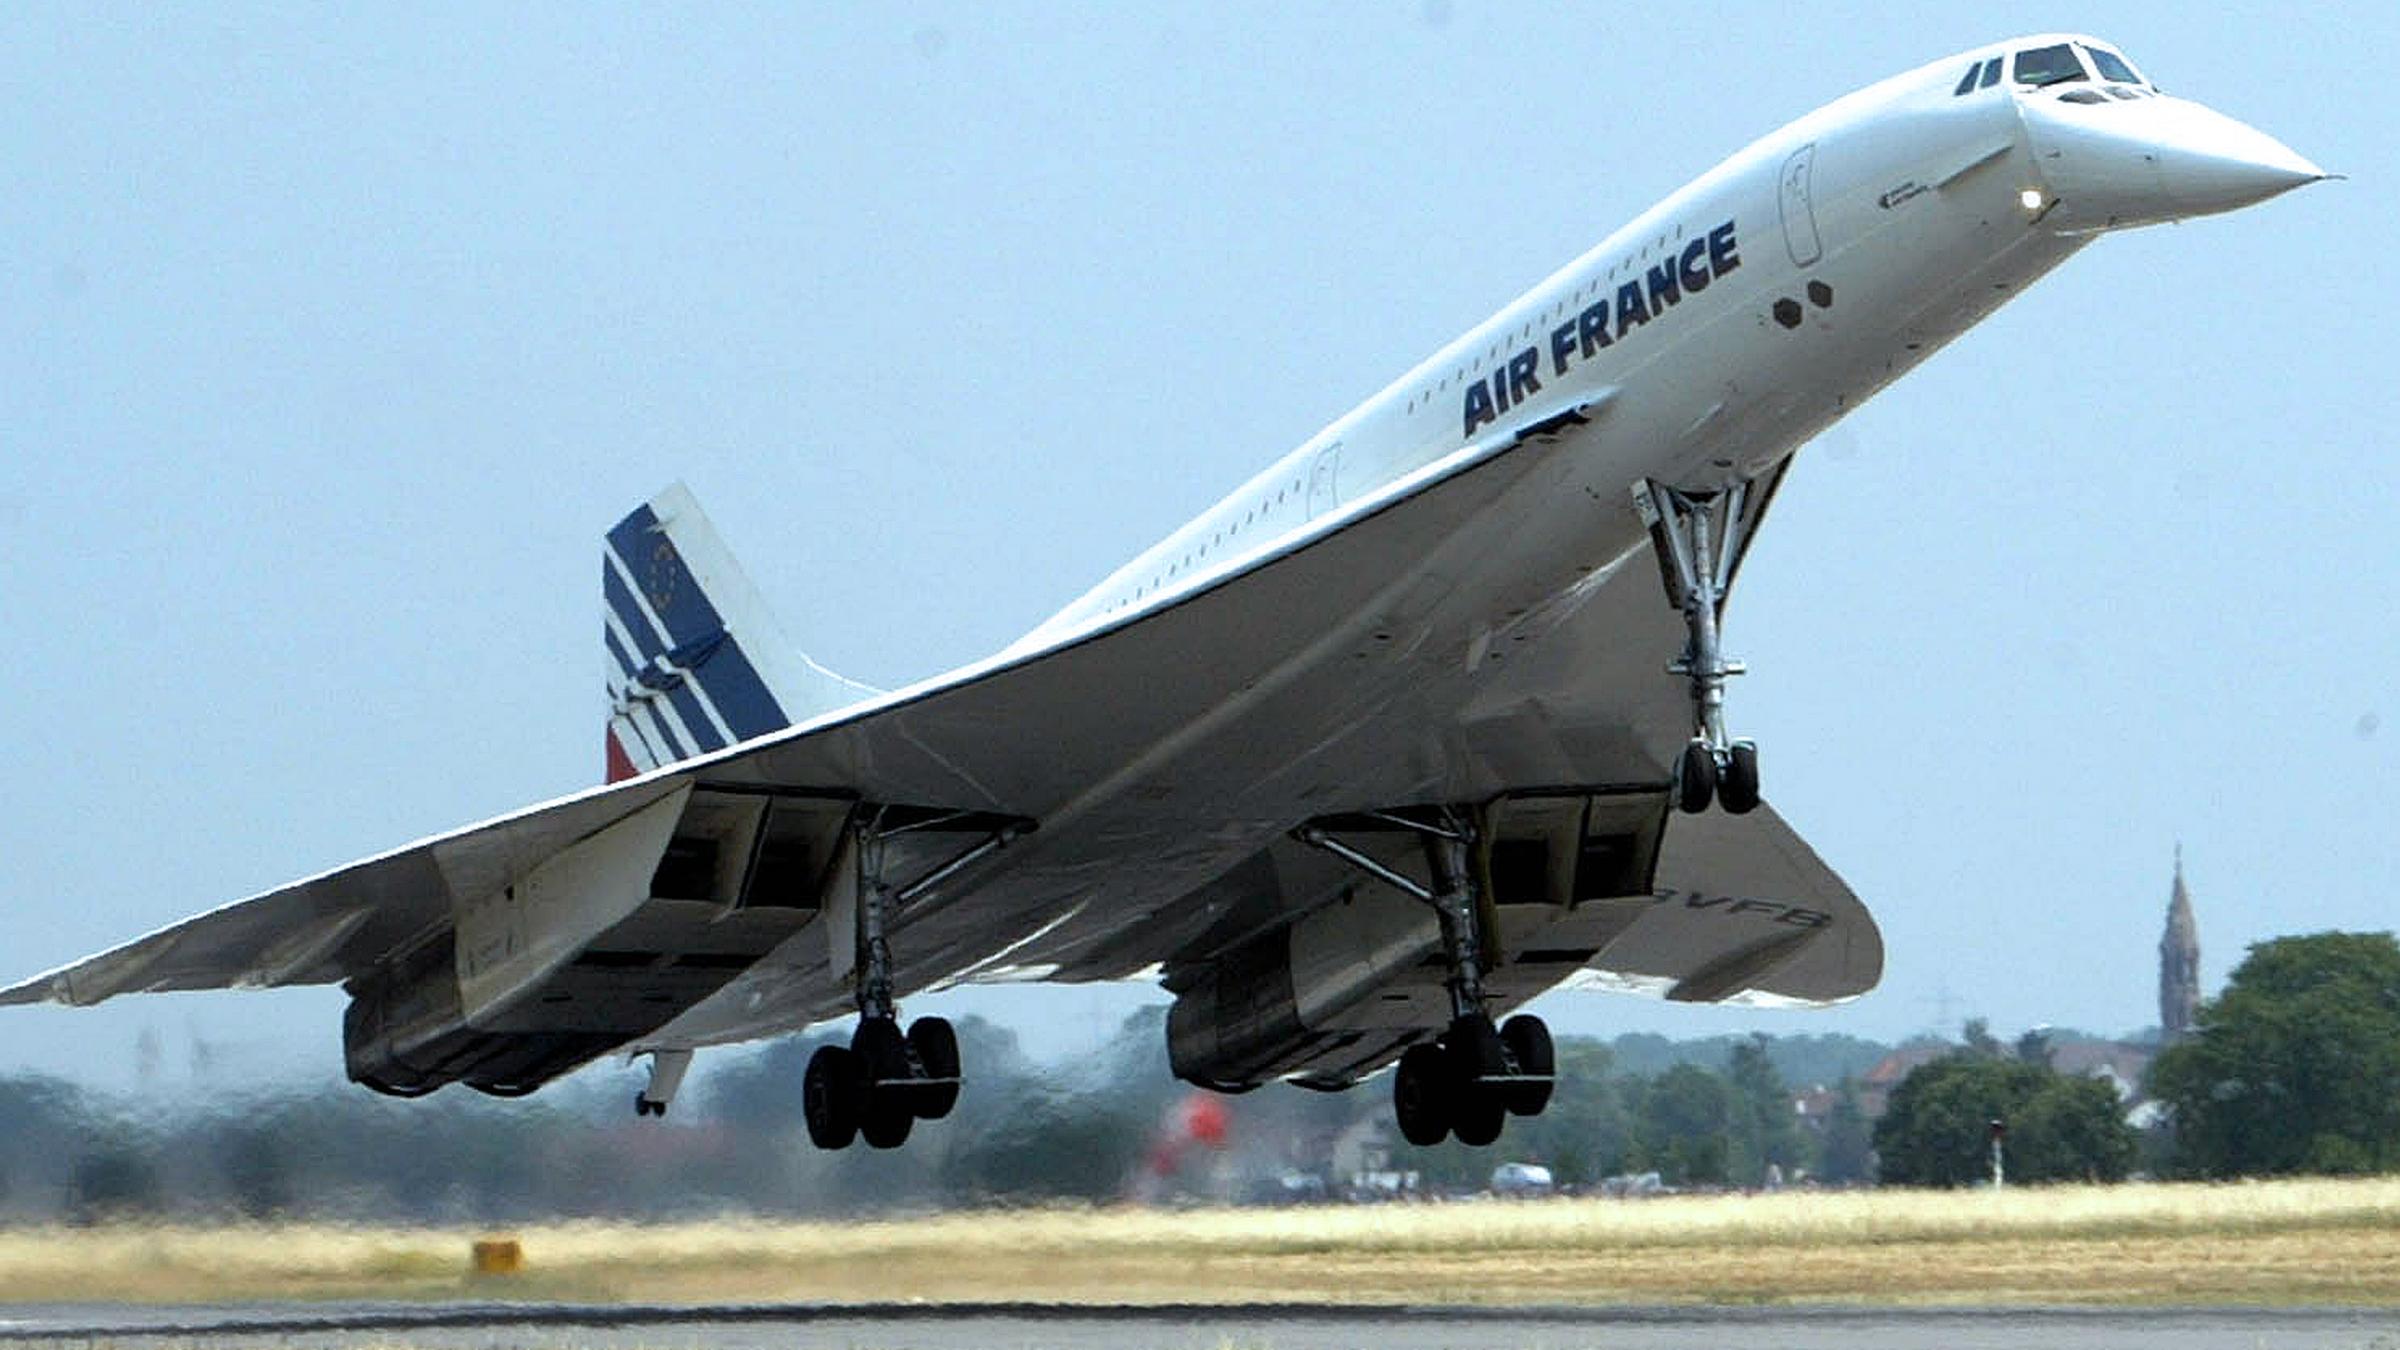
[(886, 1080), (1474, 1076), (1701, 538), (882, 1083)]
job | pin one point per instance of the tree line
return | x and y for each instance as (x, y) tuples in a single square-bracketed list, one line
[(1110, 1126), (2290, 1069)]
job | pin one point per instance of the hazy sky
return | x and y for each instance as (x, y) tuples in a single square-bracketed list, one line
[(331, 339)]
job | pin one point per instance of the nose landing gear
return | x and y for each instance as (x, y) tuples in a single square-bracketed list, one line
[(1701, 539)]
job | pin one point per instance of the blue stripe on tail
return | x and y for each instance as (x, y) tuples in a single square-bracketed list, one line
[(628, 668), (696, 637), (645, 640)]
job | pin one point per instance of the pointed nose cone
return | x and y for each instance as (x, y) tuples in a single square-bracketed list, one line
[(2121, 163), (2208, 162)]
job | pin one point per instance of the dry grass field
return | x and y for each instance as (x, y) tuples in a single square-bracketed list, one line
[(2276, 1242)]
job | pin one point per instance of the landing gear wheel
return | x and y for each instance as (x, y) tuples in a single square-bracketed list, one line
[(1421, 1092), (891, 1082), (1475, 1048), (935, 1045), (643, 1106), (1696, 778), (1480, 1115), (1477, 1109), (883, 1051), (1528, 1040), (833, 1095), (1737, 789), (887, 1121)]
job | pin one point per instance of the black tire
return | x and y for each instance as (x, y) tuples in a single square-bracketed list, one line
[(882, 1051), (936, 1047), (833, 1094), (1478, 1117), (1696, 778), (890, 1106), (888, 1118), (1421, 1093), (1475, 1049), (1528, 1040), (1737, 790)]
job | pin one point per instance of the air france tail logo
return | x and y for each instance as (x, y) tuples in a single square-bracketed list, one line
[(663, 572), (1605, 323)]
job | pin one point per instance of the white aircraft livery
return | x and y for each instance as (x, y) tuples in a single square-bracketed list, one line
[(1426, 719)]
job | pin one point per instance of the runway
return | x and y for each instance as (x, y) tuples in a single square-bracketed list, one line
[(1005, 1326)]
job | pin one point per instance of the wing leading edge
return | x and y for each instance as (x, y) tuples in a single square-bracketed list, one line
[(349, 922)]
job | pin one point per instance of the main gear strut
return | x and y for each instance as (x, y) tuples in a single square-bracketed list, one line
[(1474, 1075), (1701, 538), (884, 1081)]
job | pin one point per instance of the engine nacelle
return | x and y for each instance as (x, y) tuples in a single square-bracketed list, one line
[(601, 943), (1265, 1007), (391, 1022), (1338, 987), (408, 1033)]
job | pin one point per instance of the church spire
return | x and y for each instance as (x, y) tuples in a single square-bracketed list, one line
[(2178, 961)]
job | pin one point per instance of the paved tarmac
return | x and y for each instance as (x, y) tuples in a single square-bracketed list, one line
[(1195, 1327)]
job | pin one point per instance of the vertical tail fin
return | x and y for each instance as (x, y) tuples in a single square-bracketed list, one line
[(695, 660)]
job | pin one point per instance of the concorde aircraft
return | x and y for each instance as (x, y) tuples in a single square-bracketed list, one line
[(1425, 719)]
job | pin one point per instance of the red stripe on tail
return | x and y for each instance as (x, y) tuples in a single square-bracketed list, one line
[(620, 765)]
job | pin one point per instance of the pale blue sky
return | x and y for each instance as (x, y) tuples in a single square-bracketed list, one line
[(331, 339)]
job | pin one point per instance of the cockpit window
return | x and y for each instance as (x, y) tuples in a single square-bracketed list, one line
[(2041, 67), (1981, 75), (2112, 66)]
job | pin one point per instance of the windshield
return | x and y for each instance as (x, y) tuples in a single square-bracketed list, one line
[(2112, 66), (2044, 66)]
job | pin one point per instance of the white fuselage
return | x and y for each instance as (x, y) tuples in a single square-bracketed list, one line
[(1442, 600), (1807, 271), (1708, 384)]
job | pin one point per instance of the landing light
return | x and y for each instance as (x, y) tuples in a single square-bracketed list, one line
[(2030, 199)]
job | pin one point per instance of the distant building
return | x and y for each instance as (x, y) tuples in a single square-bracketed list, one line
[(2178, 963), (2115, 1063), (1875, 1087), (2123, 1065)]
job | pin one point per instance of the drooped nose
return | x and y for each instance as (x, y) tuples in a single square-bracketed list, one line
[(2125, 162), (2210, 162)]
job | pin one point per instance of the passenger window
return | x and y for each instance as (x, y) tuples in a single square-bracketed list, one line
[(2045, 66), (1991, 73), (1966, 81)]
